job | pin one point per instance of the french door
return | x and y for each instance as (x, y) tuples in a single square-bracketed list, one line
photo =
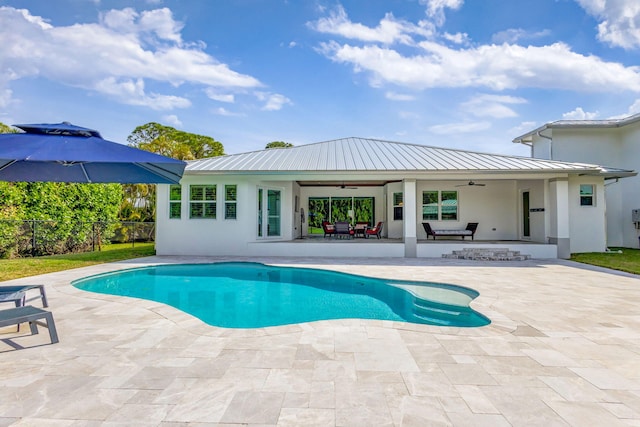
[(269, 212)]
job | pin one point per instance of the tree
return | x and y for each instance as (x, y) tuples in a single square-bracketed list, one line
[(7, 129), (140, 199), (278, 144), (171, 142)]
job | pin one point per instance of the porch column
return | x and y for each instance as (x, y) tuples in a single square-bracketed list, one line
[(559, 201), (409, 219)]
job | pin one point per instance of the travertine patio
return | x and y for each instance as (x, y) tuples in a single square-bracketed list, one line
[(563, 349)]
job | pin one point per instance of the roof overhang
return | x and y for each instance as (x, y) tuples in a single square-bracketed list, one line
[(577, 124)]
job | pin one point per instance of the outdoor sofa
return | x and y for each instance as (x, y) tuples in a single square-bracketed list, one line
[(470, 230)]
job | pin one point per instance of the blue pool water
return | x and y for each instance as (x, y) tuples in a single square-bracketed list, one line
[(252, 295)]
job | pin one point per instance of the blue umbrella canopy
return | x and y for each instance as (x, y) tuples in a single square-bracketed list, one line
[(63, 152)]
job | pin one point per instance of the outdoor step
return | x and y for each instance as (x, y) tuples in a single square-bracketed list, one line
[(487, 254)]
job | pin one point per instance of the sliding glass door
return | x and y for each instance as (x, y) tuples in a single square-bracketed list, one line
[(332, 209)]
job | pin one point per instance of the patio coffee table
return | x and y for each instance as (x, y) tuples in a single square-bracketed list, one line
[(360, 230)]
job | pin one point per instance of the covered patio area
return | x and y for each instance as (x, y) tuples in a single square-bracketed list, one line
[(393, 247)]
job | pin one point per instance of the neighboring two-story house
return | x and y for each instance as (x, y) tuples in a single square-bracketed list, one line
[(614, 143)]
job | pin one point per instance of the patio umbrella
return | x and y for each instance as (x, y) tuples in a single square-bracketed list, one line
[(63, 152)]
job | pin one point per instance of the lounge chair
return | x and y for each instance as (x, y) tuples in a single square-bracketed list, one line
[(18, 294), (328, 228), (375, 231), (470, 230), (28, 313), (343, 228)]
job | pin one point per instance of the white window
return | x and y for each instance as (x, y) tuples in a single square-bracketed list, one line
[(398, 202), (230, 201), (175, 201), (439, 205), (202, 203), (587, 197)]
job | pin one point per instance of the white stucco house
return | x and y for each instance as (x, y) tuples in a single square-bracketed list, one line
[(271, 202), (605, 142)]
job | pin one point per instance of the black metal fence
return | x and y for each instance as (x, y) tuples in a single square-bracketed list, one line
[(20, 238)]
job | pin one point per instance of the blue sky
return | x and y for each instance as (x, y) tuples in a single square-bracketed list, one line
[(467, 74)]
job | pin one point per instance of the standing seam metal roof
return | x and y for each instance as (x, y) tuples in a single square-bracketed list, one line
[(370, 155)]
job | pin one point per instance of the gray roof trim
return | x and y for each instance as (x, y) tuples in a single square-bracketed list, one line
[(558, 124), (373, 155)]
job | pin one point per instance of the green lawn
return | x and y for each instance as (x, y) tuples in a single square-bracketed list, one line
[(23, 267), (628, 260)]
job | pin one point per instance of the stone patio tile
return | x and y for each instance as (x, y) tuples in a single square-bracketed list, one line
[(582, 414), (522, 407), (435, 384), (547, 357), (289, 380), (308, 417), (478, 420), (329, 370), (204, 401), (476, 400), (576, 389), (253, 408), (140, 414), (467, 374), (422, 411), (606, 379)]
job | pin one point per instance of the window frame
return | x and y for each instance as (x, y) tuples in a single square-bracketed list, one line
[(398, 206), (440, 214), (207, 203), (177, 202), (228, 202), (587, 197)]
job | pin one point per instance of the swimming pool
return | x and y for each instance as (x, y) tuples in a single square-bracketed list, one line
[(253, 295)]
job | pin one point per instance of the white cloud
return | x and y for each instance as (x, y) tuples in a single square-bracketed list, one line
[(579, 114), (513, 35), (497, 67), (273, 101), (457, 128), (394, 96), (457, 38), (390, 30), (172, 119), (634, 108), (426, 61), (221, 97), (485, 105), (114, 56), (631, 111), (619, 21), (132, 92), (436, 8), (224, 112)]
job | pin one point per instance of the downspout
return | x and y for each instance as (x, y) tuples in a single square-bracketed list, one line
[(529, 144), (539, 133)]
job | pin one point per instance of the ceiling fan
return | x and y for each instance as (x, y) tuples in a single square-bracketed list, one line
[(347, 187), (471, 183)]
